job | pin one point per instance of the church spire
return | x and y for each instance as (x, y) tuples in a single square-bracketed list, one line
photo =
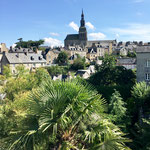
[(82, 19)]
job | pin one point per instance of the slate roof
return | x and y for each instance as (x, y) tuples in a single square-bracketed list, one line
[(92, 50), (22, 58), (125, 61), (143, 49), (21, 50), (72, 37)]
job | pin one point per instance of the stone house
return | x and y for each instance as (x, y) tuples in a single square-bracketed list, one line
[(96, 51), (120, 51), (73, 51), (143, 63), (51, 56), (31, 61), (92, 53)]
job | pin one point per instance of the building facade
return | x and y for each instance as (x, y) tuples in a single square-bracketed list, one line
[(31, 61), (143, 63)]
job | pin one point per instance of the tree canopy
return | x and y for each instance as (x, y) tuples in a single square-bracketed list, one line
[(29, 44), (62, 58)]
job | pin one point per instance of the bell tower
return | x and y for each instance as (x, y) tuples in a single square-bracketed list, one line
[(82, 31)]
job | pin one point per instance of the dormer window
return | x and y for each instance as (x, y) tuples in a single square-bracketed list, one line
[(32, 58), (40, 58)]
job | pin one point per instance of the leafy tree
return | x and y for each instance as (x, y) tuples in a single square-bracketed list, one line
[(117, 106), (67, 115), (29, 44), (57, 70), (79, 63), (110, 74), (141, 95), (62, 58), (108, 61), (23, 81), (7, 72), (20, 71), (131, 54), (143, 135), (118, 75)]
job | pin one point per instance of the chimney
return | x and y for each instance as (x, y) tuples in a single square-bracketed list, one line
[(10, 48), (36, 50)]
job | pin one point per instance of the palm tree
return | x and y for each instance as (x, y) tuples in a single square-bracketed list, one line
[(65, 116)]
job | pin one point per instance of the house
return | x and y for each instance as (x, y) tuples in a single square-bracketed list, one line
[(128, 63), (96, 51), (92, 53), (83, 73), (86, 73), (120, 51), (143, 63), (51, 55), (73, 51), (29, 60)]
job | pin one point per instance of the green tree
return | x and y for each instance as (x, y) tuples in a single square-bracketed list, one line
[(29, 44), (117, 106), (131, 54), (62, 58), (57, 70), (67, 115), (7, 72), (141, 95), (79, 63)]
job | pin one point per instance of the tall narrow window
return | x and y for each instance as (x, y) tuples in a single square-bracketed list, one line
[(147, 75), (147, 63)]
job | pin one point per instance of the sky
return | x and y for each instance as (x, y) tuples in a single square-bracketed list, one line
[(52, 20)]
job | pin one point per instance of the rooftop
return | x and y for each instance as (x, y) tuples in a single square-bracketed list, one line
[(143, 49), (22, 58)]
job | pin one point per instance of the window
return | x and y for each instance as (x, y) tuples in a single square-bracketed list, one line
[(147, 75), (147, 63)]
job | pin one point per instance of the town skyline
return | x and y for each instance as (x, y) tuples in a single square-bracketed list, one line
[(52, 25)]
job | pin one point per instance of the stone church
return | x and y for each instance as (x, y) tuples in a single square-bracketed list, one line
[(78, 39), (81, 39)]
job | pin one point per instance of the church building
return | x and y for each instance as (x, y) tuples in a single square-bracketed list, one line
[(81, 39), (78, 39)]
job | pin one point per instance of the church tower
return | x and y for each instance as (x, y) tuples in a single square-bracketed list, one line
[(82, 31)]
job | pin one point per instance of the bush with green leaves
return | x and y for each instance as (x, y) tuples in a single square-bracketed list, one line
[(62, 58), (79, 63), (66, 115)]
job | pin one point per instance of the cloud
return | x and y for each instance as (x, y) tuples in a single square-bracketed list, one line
[(74, 26), (133, 31), (90, 25), (52, 42), (54, 34), (14, 45), (117, 35), (138, 1), (97, 36)]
